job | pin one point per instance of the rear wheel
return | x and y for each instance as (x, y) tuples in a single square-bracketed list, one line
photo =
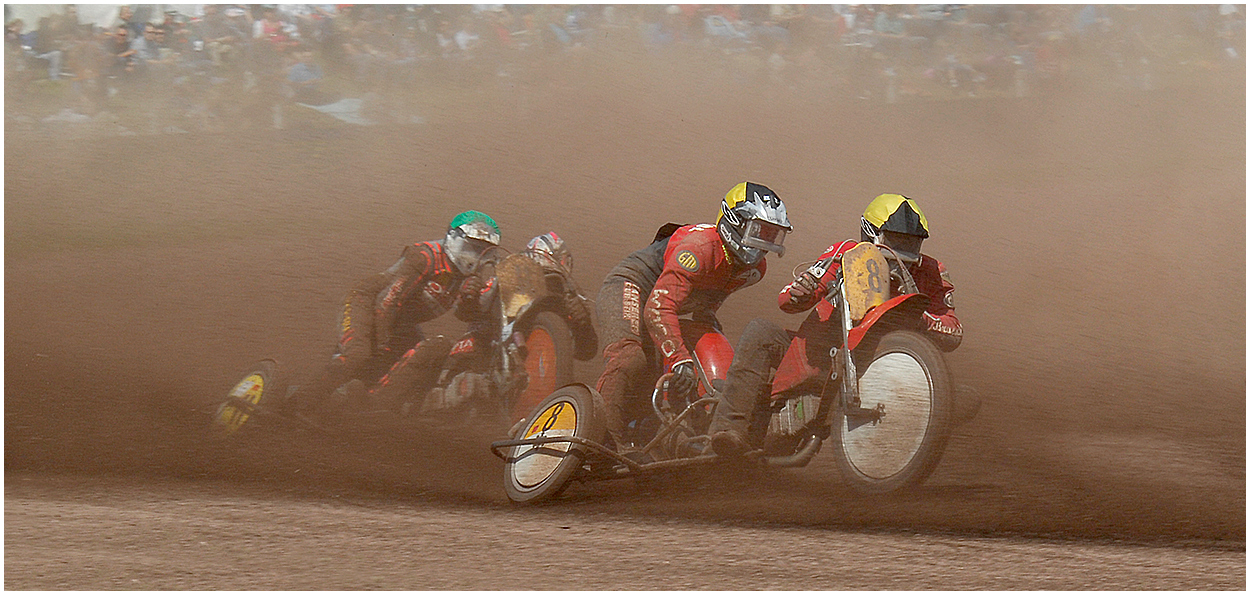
[(548, 361), (908, 378), (536, 473), (259, 387)]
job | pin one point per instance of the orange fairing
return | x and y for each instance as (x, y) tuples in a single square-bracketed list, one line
[(910, 301)]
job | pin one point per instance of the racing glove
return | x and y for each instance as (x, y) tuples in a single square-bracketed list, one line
[(578, 314), (683, 380), (803, 287), (471, 288)]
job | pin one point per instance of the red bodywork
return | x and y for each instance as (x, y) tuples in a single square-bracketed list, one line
[(710, 348), (794, 368)]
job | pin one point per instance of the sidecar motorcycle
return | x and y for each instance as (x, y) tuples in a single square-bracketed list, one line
[(887, 406), (528, 353)]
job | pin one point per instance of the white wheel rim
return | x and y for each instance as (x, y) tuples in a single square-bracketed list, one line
[(900, 383), (558, 419)]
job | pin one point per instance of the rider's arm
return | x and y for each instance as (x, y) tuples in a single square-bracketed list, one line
[(684, 263), (825, 270), (660, 313), (940, 321), (407, 273)]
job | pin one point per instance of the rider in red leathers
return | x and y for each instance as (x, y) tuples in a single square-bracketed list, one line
[(891, 220), (687, 270), (380, 322)]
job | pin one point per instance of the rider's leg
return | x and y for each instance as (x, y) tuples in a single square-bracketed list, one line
[(352, 354), (759, 350), (413, 374), (624, 361), (625, 357)]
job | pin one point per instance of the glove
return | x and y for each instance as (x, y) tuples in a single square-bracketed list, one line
[(803, 287), (471, 288), (577, 313), (683, 382)]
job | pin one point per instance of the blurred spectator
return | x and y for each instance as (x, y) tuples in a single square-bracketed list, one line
[(305, 77), (238, 64), (43, 45), (124, 54), (126, 18), (219, 35)]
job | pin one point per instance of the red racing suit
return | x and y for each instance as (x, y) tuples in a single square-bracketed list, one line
[(687, 272), (698, 275), (820, 330)]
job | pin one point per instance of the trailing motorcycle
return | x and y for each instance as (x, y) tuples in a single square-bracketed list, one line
[(887, 405), (494, 375)]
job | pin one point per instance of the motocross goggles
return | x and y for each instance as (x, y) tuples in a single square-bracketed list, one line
[(562, 260), (907, 246), (763, 235)]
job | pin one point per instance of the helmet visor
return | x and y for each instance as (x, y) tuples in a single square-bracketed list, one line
[(466, 252), (906, 245), (764, 236), (479, 230)]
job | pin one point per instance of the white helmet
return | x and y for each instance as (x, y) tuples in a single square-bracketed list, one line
[(469, 236)]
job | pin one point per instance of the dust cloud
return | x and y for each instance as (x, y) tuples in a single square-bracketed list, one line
[(1096, 238)]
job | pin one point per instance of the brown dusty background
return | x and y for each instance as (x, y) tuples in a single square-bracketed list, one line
[(1097, 242)]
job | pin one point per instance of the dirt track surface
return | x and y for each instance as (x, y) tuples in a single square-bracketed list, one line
[(1097, 243), (214, 536)]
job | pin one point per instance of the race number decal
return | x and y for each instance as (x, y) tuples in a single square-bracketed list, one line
[(866, 277), (560, 419)]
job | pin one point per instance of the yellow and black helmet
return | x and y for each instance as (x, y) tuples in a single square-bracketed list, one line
[(752, 221), (895, 221)]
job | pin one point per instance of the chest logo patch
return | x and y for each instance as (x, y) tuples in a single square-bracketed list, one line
[(688, 260)]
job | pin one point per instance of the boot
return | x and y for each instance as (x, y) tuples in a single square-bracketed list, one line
[(728, 431)]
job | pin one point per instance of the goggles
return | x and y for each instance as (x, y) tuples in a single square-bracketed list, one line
[(479, 231), (907, 246), (764, 236)]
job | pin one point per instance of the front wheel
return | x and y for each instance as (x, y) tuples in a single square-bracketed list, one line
[(540, 472), (908, 378), (258, 388)]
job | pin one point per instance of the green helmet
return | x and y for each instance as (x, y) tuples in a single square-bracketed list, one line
[(469, 235)]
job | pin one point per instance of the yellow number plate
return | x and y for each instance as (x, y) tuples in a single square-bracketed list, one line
[(866, 275)]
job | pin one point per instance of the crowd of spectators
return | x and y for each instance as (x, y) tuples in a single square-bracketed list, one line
[(203, 66)]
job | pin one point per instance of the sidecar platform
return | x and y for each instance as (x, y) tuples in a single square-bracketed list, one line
[(622, 466)]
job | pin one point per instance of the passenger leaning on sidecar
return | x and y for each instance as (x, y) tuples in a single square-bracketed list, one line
[(549, 251), (687, 270), (891, 220), (379, 325)]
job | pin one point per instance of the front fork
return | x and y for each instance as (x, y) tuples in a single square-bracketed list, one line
[(844, 365)]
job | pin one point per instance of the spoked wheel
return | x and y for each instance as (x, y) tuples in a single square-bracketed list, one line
[(548, 361), (259, 387), (540, 472), (908, 381)]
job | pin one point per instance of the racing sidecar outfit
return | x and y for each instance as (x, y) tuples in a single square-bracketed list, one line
[(379, 326), (764, 343), (687, 272)]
